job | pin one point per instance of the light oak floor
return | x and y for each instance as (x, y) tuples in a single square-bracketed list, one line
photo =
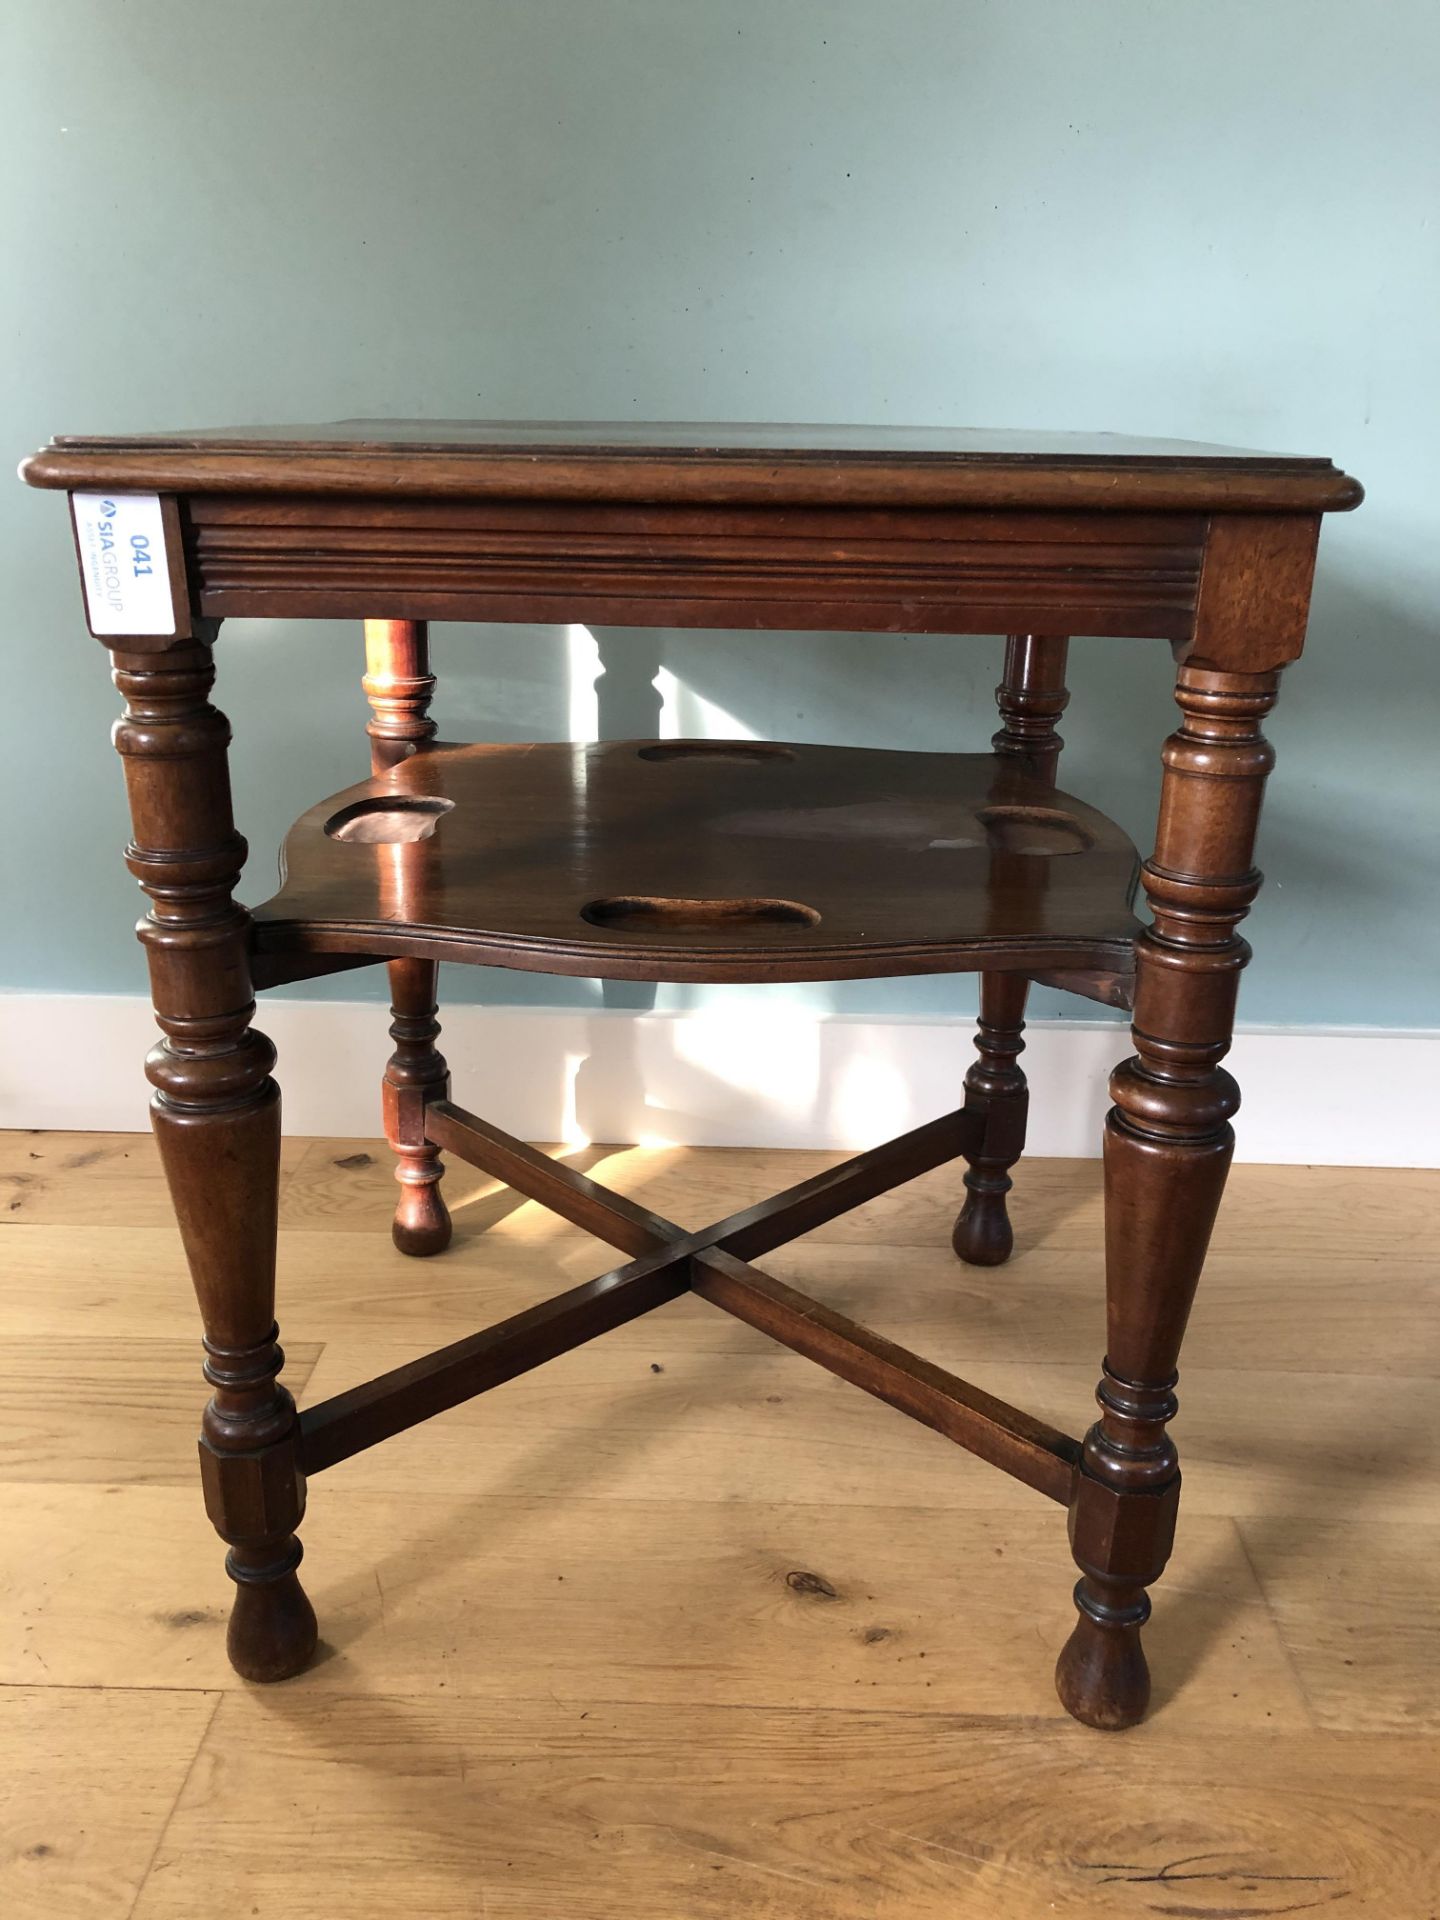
[(679, 1626)]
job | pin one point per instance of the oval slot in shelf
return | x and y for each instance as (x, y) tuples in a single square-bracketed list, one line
[(388, 820), (715, 750), (649, 913), (1034, 830)]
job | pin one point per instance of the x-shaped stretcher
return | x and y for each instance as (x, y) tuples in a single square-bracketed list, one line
[(714, 1263)]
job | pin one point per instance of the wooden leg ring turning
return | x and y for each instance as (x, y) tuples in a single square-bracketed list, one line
[(995, 1088)]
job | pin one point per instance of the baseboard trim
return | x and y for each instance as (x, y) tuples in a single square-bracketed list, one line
[(740, 1076)]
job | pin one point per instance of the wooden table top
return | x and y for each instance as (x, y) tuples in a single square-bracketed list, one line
[(860, 465)]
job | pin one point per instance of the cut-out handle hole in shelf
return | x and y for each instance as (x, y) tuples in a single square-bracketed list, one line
[(648, 913), (1036, 830), (715, 750), (388, 821)]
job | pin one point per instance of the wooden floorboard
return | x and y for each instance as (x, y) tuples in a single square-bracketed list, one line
[(431, 1807), (664, 1602), (760, 1425), (679, 1625), (89, 1780)]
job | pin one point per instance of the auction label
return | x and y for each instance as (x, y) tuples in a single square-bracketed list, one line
[(121, 540)]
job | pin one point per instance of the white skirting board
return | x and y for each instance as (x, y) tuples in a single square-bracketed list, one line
[(740, 1076)]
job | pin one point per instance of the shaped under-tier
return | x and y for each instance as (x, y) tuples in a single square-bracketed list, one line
[(705, 860)]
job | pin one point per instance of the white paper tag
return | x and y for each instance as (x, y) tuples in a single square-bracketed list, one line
[(121, 540)]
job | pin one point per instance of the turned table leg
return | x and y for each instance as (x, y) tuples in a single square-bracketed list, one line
[(216, 1114), (1031, 697), (996, 1086), (1168, 1144), (399, 686)]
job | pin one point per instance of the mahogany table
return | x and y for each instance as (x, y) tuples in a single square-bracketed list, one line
[(701, 860)]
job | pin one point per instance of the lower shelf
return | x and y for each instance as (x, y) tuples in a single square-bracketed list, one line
[(705, 860)]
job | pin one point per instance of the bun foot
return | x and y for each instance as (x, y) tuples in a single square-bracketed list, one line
[(422, 1221), (272, 1629), (983, 1236), (1102, 1675)]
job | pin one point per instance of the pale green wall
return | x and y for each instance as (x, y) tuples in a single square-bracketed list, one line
[(1209, 220)]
